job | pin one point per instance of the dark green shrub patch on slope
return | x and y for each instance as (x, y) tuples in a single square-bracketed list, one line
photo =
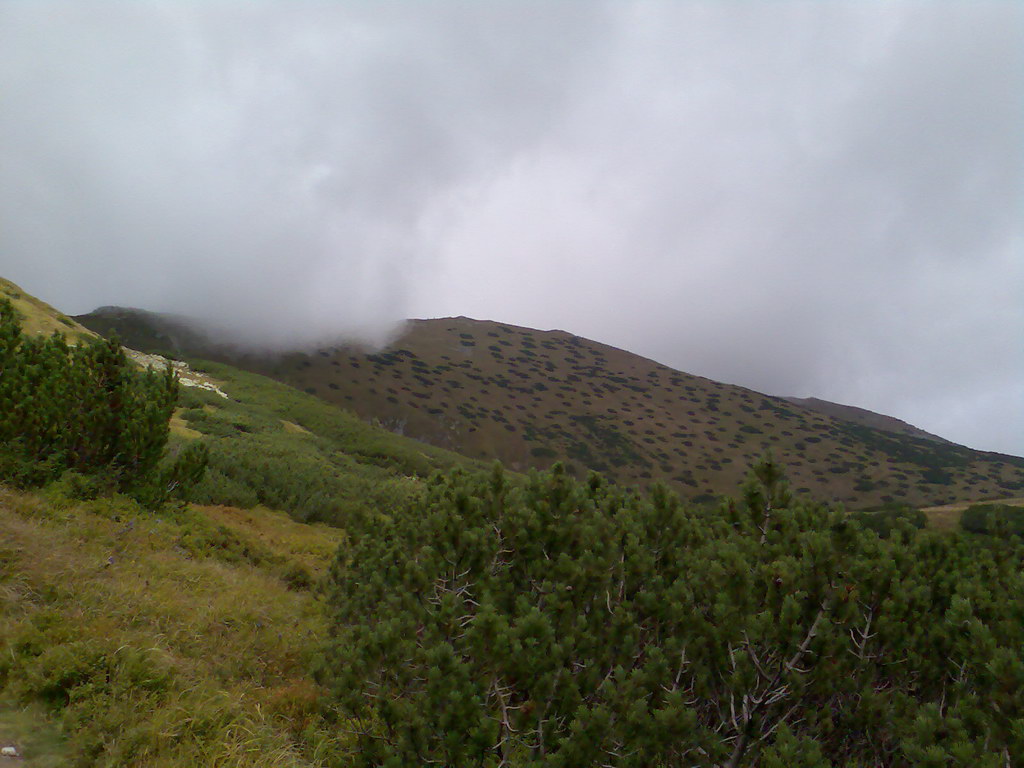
[(86, 409), (889, 518), (993, 519), (560, 623), (259, 397)]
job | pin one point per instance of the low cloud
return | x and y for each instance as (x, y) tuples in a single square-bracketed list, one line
[(265, 168), (805, 199)]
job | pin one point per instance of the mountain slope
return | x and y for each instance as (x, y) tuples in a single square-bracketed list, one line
[(527, 397), (188, 635), (864, 417), (38, 317), (128, 638), (270, 444)]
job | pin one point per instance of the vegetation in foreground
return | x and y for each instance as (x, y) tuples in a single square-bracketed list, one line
[(561, 623), (472, 620), (502, 621), (184, 638)]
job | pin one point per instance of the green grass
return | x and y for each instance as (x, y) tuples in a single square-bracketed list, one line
[(39, 318), (183, 639), (273, 445)]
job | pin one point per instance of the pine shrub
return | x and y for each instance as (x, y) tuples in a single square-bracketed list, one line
[(559, 623), (86, 410)]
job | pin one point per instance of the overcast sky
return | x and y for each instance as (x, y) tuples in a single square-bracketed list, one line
[(805, 198)]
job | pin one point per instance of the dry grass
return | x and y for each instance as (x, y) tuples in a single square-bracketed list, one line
[(149, 649), (311, 544), (39, 318), (180, 428), (947, 516)]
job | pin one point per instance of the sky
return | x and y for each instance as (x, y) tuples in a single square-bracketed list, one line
[(804, 198)]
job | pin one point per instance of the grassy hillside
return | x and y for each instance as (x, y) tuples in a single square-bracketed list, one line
[(184, 639), (863, 416), (38, 317), (530, 398), (270, 444), (189, 636)]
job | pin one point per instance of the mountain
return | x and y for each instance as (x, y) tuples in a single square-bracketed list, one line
[(493, 390), (864, 417), (220, 631)]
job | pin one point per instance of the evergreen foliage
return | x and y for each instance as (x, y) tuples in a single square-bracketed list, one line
[(270, 444), (891, 517), (993, 518), (85, 409), (560, 623)]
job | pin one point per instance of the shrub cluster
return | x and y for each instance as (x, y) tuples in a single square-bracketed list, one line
[(560, 623), (301, 476), (316, 472), (993, 519), (85, 409), (890, 517)]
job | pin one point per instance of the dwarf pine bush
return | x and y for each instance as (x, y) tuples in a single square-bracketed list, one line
[(88, 410), (559, 623)]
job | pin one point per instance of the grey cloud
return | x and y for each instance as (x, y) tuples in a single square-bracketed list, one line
[(821, 202), (263, 167), (804, 198)]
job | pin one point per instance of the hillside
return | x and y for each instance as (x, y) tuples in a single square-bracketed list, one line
[(865, 417), (223, 632), (38, 317), (529, 398), (181, 639), (189, 635)]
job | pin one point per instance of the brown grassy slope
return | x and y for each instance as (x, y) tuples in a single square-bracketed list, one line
[(864, 416), (38, 317), (527, 397)]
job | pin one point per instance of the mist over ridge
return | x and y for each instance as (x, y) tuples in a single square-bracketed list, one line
[(805, 200)]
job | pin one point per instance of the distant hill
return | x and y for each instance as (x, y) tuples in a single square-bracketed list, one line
[(865, 417), (529, 398)]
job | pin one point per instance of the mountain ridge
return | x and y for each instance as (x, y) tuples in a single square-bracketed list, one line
[(866, 417), (529, 398)]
